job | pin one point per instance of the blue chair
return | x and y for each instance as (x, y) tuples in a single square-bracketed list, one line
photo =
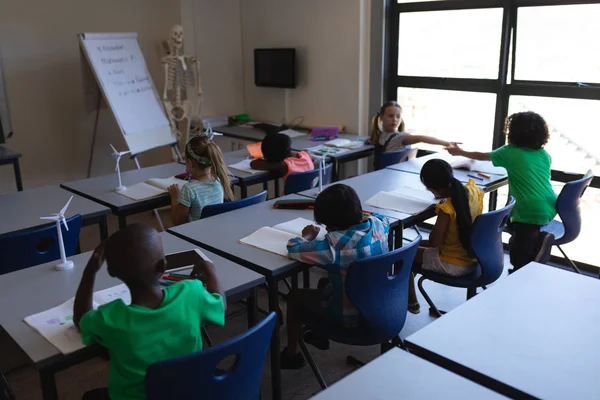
[(302, 181), (378, 288), (384, 160), (567, 207), (486, 242), (216, 209), (199, 375), (37, 246)]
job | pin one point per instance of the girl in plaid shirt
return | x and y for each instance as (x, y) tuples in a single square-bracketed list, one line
[(349, 238)]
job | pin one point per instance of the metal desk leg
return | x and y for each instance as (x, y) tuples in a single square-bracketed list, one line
[(103, 226), (306, 278), (252, 307), (17, 169), (122, 221), (277, 192), (48, 384), (335, 173), (244, 190), (275, 342)]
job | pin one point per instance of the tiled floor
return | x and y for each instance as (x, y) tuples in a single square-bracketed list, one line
[(300, 384)]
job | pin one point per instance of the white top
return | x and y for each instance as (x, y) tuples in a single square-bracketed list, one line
[(396, 143)]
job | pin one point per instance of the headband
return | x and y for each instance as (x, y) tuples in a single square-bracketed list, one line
[(204, 161)]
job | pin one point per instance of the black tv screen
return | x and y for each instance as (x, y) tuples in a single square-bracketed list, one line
[(275, 68)]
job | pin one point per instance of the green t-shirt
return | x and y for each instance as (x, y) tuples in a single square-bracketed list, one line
[(529, 182), (137, 336)]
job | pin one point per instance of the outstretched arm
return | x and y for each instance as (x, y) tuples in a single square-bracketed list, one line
[(475, 155), (414, 139)]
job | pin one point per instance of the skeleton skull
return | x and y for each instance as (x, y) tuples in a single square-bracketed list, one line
[(177, 36)]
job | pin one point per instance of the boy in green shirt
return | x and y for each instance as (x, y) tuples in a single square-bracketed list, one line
[(528, 168), (161, 322)]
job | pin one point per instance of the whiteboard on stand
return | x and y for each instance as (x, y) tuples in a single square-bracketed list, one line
[(121, 73)]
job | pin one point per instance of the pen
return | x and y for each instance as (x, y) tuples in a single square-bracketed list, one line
[(163, 283), (474, 177), (484, 175)]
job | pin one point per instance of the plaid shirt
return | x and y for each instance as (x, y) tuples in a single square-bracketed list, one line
[(335, 253)]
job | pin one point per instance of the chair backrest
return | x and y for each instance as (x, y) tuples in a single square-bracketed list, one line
[(486, 242), (301, 181), (567, 207), (198, 375), (216, 209), (380, 296), (384, 160), (37, 246)]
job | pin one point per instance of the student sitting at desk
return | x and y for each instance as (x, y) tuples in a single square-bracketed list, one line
[(349, 238), (388, 131), (528, 166), (448, 250), (277, 153), (161, 322), (205, 163)]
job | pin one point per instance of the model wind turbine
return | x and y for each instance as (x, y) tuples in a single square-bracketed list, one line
[(321, 168), (117, 155), (60, 216)]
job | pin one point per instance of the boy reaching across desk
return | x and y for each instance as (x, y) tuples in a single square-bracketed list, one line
[(350, 237), (161, 322)]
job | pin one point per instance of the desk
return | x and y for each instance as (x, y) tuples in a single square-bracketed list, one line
[(39, 288), (305, 142), (242, 132), (398, 374), (10, 157), (101, 190), (21, 211), (487, 185), (532, 335), (245, 179), (220, 235)]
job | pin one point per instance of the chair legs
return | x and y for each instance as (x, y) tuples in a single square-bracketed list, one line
[(432, 308), (570, 261), (311, 360)]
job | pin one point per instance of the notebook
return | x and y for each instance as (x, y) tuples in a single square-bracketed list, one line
[(405, 200), (151, 188), (345, 143), (56, 324), (477, 166), (274, 239), (244, 166)]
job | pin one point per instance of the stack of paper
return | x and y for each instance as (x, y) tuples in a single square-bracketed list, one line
[(405, 200), (292, 133), (151, 188), (475, 165), (244, 166), (275, 239), (345, 143)]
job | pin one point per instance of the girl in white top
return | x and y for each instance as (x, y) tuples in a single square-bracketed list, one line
[(388, 130)]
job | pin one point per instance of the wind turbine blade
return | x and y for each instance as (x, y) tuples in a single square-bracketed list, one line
[(124, 152), (50, 218), (64, 221), (114, 150), (64, 209)]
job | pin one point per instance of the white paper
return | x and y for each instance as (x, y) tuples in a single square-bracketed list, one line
[(296, 226), (462, 163), (292, 133), (142, 191), (244, 166), (397, 202), (488, 168), (418, 194), (114, 293), (164, 183), (338, 143), (269, 239)]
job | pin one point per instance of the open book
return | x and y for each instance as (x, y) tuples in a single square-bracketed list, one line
[(151, 188), (477, 166), (405, 200), (275, 239), (56, 324), (345, 143)]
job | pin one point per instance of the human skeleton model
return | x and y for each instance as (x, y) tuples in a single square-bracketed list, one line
[(182, 72)]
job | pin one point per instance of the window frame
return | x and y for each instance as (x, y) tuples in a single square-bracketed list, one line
[(501, 86)]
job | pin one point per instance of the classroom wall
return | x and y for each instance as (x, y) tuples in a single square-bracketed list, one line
[(213, 33), (327, 35), (41, 58)]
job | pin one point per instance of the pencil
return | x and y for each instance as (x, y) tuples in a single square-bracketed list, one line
[(484, 175), (474, 177)]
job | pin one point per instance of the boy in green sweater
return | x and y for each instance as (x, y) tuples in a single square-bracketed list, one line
[(161, 322), (528, 168)]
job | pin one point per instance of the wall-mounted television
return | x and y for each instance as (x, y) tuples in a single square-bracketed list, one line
[(275, 68)]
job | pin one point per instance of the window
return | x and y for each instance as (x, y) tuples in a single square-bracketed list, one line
[(465, 117), (558, 43), (458, 68), (457, 44)]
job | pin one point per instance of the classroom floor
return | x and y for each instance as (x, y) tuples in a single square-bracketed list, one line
[(299, 384)]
